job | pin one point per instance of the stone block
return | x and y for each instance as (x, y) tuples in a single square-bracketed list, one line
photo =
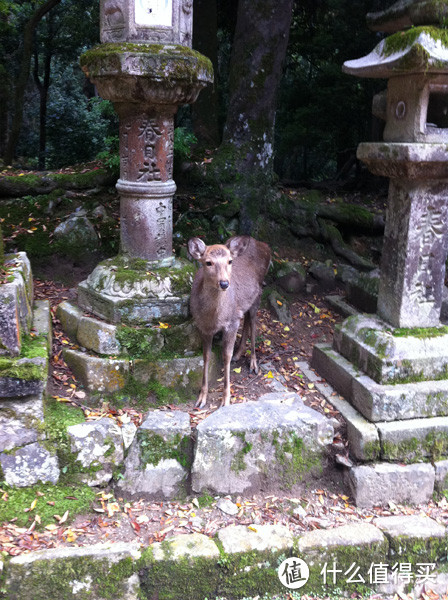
[(363, 437), (182, 375), (159, 458), (21, 377), (414, 538), (98, 336), (29, 465), (97, 374), (414, 440), (392, 355), (262, 538), (97, 572), (98, 446), (339, 305), (69, 315), (21, 422), (275, 442), (360, 543), (42, 324), (291, 277), (441, 482), (377, 484), (380, 402), (15, 303), (187, 547)]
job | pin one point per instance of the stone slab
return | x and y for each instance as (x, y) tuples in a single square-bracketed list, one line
[(441, 483), (262, 538), (92, 572), (21, 422), (380, 402), (339, 305), (380, 483), (97, 374), (369, 343), (98, 446), (157, 465), (275, 442), (183, 375), (187, 547), (414, 440), (32, 383), (98, 336), (29, 465), (414, 538), (69, 315), (325, 541), (42, 324)]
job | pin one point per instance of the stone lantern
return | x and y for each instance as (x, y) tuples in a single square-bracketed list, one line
[(393, 367), (145, 66)]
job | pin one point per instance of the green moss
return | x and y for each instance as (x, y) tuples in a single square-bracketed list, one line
[(154, 448), (404, 39), (166, 62), (372, 450), (295, 458), (54, 579), (77, 499), (408, 549), (238, 462), (420, 332), (432, 448), (19, 368), (138, 342)]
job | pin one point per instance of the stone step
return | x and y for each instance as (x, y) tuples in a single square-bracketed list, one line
[(390, 355), (378, 402)]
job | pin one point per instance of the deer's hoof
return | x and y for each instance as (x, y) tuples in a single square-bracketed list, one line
[(200, 402)]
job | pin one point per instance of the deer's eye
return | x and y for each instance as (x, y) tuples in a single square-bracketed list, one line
[(230, 261), (208, 263)]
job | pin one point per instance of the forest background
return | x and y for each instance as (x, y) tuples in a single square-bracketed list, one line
[(313, 115)]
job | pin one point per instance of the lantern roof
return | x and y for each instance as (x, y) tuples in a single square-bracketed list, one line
[(420, 49)]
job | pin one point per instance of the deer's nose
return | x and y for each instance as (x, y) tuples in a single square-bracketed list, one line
[(223, 284)]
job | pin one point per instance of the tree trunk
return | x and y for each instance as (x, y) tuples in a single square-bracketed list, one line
[(259, 49), (23, 77), (205, 40), (246, 155), (43, 87)]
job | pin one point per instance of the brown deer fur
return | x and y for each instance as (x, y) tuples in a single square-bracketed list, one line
[(226, 288)]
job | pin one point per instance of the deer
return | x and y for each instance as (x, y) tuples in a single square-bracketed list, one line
[(226, 288)]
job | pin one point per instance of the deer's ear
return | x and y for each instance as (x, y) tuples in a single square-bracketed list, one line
[(196, 248), (237, 245)]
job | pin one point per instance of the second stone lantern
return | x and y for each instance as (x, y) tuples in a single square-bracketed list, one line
[(145, 66), (393, 367)]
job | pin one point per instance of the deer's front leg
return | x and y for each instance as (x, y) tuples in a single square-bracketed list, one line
[(228, 343), (206, 352)]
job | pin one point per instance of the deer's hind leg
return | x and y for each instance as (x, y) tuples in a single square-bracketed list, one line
[(244, 335), (252, 326)]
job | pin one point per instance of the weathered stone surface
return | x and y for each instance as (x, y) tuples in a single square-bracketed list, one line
[(21, 422), (279, 307), (323, 273), (76, 235), (274, 442), (141, 298), (128, 432), (291, 277), (240, 538), (42, 324), (97, 374), (441, 482), (98, 336), (364, 441), (159, 457), (414, 440), (324, 542), (35, 371), (98, 446), (338, 304), (413, 538), (380, 483), (380, 402), (29, 465), (69, 315), (183, 375), (362, 292), (15, 303), (370, 344), (189, 547), (227, 506), (96, 572)]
